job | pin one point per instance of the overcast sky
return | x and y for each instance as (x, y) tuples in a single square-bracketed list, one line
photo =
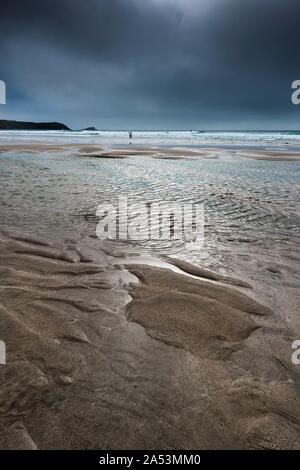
[(151, 64)]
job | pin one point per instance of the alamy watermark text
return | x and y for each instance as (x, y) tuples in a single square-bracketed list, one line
[(151, 221)]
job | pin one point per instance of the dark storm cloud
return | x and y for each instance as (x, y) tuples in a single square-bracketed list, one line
[(151, 63)]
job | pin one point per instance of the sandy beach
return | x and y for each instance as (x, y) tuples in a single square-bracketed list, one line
[(110, 348), (150, 232), (95, 349)]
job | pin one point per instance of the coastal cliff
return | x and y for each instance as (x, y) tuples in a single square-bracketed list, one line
[(32, 126)]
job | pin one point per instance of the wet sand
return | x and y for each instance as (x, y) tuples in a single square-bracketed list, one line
[(107, 355), (104, 352), (274, 156), (159, 153)]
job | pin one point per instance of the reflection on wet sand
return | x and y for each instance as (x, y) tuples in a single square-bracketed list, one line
[(90, 343), (110, 346)]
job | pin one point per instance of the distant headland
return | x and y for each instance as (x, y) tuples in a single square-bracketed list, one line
[(32, 126), (36, 126)]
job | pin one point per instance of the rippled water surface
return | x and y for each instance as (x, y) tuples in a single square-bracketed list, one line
[(245, 199)]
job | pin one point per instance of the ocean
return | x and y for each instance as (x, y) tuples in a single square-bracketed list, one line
[(163, 137)]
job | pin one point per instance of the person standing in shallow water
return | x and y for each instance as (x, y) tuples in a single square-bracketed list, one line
[(130, 134)]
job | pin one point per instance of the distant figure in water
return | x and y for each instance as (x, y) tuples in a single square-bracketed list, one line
[(130, 134)]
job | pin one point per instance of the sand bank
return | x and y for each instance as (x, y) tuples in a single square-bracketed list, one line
[(159, 153)]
